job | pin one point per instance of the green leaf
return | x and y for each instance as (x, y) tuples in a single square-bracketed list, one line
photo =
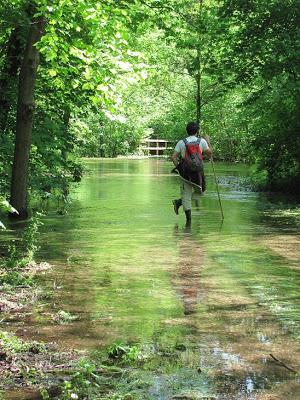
[(103, 88), (52, 72)]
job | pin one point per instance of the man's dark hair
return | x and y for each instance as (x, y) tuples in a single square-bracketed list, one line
[(192, 128)]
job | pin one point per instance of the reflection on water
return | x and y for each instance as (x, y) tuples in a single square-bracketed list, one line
[(187, 275), (126, 264)]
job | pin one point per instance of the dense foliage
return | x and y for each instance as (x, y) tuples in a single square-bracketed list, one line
[(262, 41), (110, 75)]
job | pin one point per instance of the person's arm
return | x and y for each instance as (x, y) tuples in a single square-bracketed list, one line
[(208, 151), (175, 157)]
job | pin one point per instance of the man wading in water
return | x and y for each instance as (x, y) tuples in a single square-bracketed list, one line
[(187, 158)]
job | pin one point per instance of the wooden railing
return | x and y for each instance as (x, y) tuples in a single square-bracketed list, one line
[(155, 147)]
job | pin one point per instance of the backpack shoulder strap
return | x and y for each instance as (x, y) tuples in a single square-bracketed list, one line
[(198, 142), (186, 146)]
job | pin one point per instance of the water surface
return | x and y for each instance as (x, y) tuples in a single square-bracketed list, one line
[(228, 292)]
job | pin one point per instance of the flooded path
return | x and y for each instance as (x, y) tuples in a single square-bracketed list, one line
[(223, 295)]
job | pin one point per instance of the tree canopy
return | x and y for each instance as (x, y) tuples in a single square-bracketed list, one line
[(90, 78)]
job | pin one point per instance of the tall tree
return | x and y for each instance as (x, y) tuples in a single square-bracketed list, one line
[(83, 48), (25, 114)]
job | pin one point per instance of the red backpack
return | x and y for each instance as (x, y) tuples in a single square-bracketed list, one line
[(193, 158)]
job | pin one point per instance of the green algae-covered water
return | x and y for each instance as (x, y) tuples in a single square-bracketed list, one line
[(225, 294)]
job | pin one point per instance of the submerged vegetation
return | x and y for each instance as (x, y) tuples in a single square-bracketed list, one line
[(113, 373), (171, 372)]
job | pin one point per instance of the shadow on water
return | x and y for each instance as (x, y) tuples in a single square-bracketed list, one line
[(214, 300)]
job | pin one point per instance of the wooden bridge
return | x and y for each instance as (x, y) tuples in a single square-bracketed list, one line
[(155, 147)]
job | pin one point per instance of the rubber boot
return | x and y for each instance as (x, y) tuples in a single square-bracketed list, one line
[(177, 204), (188, 215)]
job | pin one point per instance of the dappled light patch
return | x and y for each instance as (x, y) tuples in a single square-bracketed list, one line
[(287, 246)]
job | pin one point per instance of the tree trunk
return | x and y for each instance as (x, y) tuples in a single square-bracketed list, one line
[(199, 72), (198, 93), (25, 113)]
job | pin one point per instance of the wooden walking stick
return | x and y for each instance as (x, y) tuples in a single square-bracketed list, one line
[(213, 167), (217, 186)]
